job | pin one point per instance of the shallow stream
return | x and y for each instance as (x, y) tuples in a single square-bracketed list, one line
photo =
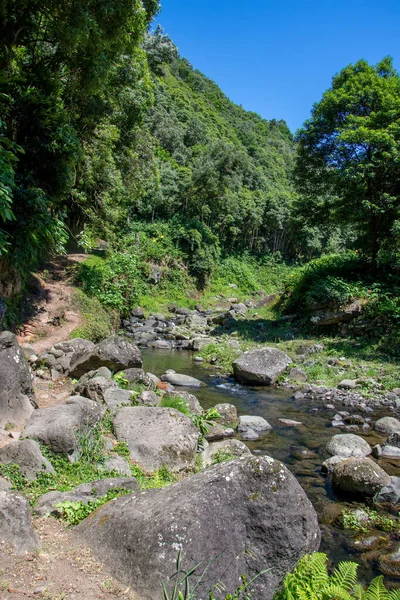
[(301, 449)]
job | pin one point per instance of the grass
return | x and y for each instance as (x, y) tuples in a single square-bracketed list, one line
[(176, 402), (98, 323)]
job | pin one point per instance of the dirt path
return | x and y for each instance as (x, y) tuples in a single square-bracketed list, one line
[(54, 316)]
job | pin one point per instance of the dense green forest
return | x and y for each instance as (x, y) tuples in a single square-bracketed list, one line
[(108, 134)]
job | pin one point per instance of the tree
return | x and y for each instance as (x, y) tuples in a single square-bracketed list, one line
[(348, 160)]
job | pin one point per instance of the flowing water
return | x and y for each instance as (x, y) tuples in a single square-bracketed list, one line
[(301, 449)]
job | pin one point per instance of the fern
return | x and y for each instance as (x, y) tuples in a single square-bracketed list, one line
[(345, 575), (377, 590)]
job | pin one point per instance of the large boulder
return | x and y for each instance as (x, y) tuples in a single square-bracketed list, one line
[(48, 503), (247, 516), (347, 445), (16, 523), (387, 425), (359, 476), (181, 380), (260, 367), (95, 387), (157, 437), (17, 397), (391, 492), (116, 353), (26, 454), (64, 354), (59, 426), (251, 427), (228, 414)]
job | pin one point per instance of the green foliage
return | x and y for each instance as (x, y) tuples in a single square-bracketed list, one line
[(311, 581), (121, 380), (372, 520), (222, 355), (90, 445), (161, 477), (222, 456), (75, 512), (204, 421), (14, 475), (122, 449), (98, 323), (177, 403)]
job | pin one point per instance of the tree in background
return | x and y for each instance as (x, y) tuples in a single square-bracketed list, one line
[(348, 160)]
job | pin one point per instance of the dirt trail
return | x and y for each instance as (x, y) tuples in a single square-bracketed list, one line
[(63, 568), (54, 317)]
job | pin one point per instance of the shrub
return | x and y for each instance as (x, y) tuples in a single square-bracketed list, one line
[(98, 323)]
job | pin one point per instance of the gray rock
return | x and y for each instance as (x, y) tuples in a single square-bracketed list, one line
[(17, 397), (5, 485), (199, 343), (196, 322), (16, 523), (116, 353), (71, 351), (271, 525), (94, 386), (348, 384), (290, 422), (47, 504), (157, 437), (228, 414), (58, 426), (234, 447), (348, 445), (387, 425), (219, 432), (390, 451), (256, 424), (239, 308), (298, 374), (181, 380), (26, 454), (115, 398), (391, 492), (149, 398), (360, 476), (138, 313), (330, 463), (139, 376), (117, 464), (260, 367), (189, 399)]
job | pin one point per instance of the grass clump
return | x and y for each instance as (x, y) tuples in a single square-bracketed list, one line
[(160, 478), (75, 512), (176, 402), (98, 323), (122, 449), (222, 355), (222, 456)]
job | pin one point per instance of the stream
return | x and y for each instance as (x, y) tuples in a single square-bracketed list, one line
[(301, 449)]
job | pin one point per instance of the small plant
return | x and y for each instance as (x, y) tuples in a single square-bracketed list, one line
[(311, 580), (222, 456), (90, 445), (14, 475), (122, 449), (176, 402), (161, 477), (368, 519), (121, 380), (75, 512), (204, 421), (107, 425)]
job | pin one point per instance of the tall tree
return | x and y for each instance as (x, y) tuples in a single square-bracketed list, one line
[(348, 161)]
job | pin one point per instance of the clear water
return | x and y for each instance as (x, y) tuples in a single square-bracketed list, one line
[(283, 442)]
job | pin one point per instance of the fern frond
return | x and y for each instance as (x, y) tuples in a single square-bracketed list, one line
[(318, 570), (345, 575), (359, 592), (337, 592), (394, 594), (377, 590)]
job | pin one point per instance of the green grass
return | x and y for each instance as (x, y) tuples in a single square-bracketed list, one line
[(98, 323), (177, 403)]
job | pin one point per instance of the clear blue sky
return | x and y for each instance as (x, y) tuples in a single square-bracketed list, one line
[(277, 57)]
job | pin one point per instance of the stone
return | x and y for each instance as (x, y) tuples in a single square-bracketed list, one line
[(16, 523), (157, 437), (94, 386), (118, 465), (228, 414), (390, 564), (47, 504), (199, 343), (239, 308), (116, 353), (330, 463), (59, 426), (387, 425), (196, 322), (243, 516), (256, 424), (115, 398), (298, 374), (290, 422), (348, 445), (348, 384), (139, 376), (148, 398), (190, 400), (235, 448), (391, 492), (260, 367), (181, 380), (17, 396), (5, 485), (71, 351), (218, 432), (390, 451), (338, 315), (137, 313), (26, 454), (359, 476)]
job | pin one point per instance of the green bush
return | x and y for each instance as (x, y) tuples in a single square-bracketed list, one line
[(98, 323), (177, 403)]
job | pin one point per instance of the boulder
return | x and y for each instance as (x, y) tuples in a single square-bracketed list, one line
[(26, 454), (47, 504), (347, 445), (115, 398), (218, 432), (116, 353), (59, 426), (298, 374), (235, 448), (387, 425), (335, 316), (330, 463), (65, 354), (181, 380), (17, 397), (94, 386), (390, 564), (245, 516), (260, 367), (149, 398), (189, 399), (139, 376), (389, 451), (5, 485), (118, 465), (253, 425), (16, 523), (347, 384), (391, 492), (157, 437), (228, 414), (196, 322), (359, 476)]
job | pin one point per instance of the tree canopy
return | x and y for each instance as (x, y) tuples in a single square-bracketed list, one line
[(348, 161)]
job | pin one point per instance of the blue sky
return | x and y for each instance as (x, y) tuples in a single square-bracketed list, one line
[(277, 58)]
